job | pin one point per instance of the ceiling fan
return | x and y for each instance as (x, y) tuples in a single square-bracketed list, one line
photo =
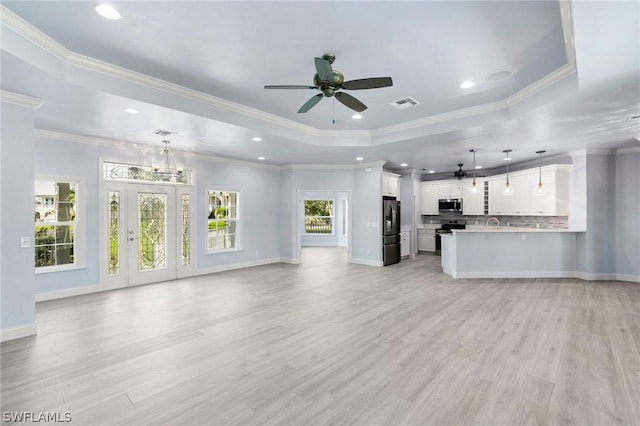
[(460, 173), (330, 81)]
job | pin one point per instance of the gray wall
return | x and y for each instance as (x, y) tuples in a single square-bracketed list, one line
[(17, 275), (259, 188), (366, 229), (260, 210), (627, 216)]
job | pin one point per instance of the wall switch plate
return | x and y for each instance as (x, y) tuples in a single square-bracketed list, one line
[(524, 237), (367, 170), (25, 242)]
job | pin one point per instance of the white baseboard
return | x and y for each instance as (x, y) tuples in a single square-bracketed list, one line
[(515, 274), (367, 262), (60, 294), (241, 265), (18, 332), (630, 278), (548, 274), (595, 277), (290, 260), (320, 244)]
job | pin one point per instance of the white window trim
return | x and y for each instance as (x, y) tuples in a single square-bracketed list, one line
[(79, 252), (239, 222)]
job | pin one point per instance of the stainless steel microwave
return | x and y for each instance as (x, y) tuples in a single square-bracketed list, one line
[(450, 204)]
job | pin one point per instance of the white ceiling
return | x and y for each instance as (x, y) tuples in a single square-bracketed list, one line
[(198, 69)]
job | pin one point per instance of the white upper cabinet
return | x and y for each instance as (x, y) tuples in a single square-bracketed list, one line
[(429, 199), (390, 185), (514, 204), (451, 189), (555, 200), (524, 201), (473, 202)]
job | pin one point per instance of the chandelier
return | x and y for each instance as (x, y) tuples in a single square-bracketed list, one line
[(162, 168)]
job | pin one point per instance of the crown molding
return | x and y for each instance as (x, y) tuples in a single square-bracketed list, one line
[(628, 150), (135, 146), (333, 166), (31, 33), (45, 42), (441, 118), (18, 99)]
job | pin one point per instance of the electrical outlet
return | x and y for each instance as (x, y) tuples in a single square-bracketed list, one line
[(25, 242), (257, 252), (524, 237)]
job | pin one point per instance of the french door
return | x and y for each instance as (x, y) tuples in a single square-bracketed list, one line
[(146, 233)]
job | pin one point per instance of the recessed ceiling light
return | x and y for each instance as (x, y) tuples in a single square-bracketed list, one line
[(131, 111), (403, 165), (467, 84), (359, 158), (256, 139), (432, 171), (356, 116), (478, 167), (262, 158), (108, 11)]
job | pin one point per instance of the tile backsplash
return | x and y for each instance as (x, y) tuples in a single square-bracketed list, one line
[(551, 222)]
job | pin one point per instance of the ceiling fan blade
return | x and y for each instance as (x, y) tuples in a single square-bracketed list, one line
[(368, 83), (289, 87), (351, 102), (310, 103), (323, 67)]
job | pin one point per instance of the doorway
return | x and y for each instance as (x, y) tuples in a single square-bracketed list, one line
[(324, 227), (146, 233)]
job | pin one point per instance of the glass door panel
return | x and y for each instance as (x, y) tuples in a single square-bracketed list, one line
[(151, 234)]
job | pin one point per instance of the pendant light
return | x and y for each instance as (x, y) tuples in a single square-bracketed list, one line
[(474, 185), (507, 189), (162, 168), (540, 188)]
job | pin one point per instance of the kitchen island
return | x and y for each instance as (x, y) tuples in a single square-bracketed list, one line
[(506, 252)]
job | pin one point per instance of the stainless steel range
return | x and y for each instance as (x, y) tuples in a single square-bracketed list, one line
[(446, 229)]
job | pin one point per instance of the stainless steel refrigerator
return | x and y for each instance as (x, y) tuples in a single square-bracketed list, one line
[(390, 231)]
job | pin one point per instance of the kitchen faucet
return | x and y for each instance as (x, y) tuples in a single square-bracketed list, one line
[(493, 218)]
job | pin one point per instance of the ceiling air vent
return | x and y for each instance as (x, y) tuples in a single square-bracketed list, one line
[(163, 132), (404, 103)]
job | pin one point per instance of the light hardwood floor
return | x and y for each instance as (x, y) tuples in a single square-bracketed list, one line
[(326, 342)]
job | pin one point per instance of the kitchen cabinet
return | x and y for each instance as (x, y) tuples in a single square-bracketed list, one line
[(405, 243), (450, 189), (514, 204), (390, 185), (524, 201), (473, 202), (429, 199), (427, 240), (555, 200)]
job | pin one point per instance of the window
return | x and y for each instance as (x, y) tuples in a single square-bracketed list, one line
[(58, 224), (223, 227), (318, 216)]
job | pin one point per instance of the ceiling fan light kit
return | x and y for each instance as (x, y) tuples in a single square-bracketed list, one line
[(329, 82)]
